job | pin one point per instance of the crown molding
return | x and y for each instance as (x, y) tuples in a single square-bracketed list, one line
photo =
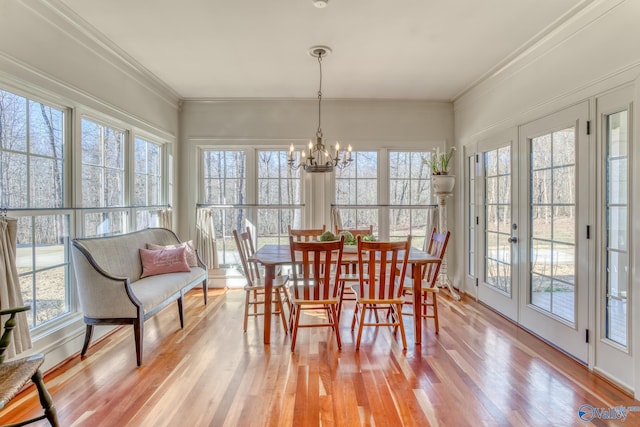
[(67, 95), (576, 19), (67, 21)]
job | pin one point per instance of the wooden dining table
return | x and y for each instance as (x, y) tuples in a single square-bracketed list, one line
[(273, 256)]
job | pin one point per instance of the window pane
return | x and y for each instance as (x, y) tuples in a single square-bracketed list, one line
[(552, 204), (43, 266), (617, 227), (13, 122), (91, 144), (148, 175), (102, 165), (46, 183), (13, 190), (104, 223), (45, 130)]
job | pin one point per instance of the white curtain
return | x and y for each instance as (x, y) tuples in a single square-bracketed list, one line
[(206, 237), (431, 221), (336, 219), (165, 218), (10, 295)]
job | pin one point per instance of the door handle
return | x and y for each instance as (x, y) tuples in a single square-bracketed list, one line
[(512, 240)]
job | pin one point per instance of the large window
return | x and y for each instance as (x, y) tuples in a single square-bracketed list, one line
[(225, 188), (103, 173), (32, 141), (409, 192), (147, 194), (279, 187), (357, 191)]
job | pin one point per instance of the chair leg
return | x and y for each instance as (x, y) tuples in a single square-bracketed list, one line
[(355, 316), (87, 339), (401, 324), (45, 399), (280, 306), (361, 326), (334, 313), (294, 333), (246, 309), (435, 311)]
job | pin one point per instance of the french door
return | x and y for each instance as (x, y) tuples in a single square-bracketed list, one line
[(556, 202), (534, 185), (498, 228)]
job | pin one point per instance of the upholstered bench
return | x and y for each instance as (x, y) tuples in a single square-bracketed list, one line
[(120, 281)]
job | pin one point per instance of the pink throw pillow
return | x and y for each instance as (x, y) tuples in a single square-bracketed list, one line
[(163, 261), (190, 253)]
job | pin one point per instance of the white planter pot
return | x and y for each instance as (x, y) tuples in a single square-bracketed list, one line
[(443, 184)]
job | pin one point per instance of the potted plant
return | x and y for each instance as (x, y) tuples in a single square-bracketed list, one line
[(439, 163)]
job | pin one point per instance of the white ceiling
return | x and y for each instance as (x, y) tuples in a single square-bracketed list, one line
[(391, 49)]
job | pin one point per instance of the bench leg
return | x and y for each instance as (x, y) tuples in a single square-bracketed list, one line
[(138, 326), (205, 290), (181, 311), (87, 339)]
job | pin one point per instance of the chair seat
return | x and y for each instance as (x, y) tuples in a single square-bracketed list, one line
[(304, 294), (408, 286), (360, 298), (278, 282), (15, 375)]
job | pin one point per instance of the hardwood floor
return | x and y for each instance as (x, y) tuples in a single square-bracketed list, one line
[(480, 370)]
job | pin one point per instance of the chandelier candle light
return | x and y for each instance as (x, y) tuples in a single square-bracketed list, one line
[(319, 158)]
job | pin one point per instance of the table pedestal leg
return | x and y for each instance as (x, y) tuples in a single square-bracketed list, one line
[(417, 319), (270, 274)]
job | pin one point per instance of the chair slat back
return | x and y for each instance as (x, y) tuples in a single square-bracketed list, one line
[(383, 265), (244, 243), (307, 234), (437, 247), (316, 271)]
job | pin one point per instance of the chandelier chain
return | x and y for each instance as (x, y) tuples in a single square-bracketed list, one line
[(319, 131)]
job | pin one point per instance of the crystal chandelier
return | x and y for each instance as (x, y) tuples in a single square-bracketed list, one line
[(318, 158)]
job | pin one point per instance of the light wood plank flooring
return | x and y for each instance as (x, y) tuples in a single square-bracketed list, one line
[(480, 370)]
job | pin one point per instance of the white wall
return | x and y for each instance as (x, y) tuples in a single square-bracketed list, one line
[(44, 55), (40, 46), (594, 53), (364, 124)]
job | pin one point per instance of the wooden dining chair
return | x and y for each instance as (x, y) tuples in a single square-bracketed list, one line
[(307, 234), (350, 273), (254, 289), (315, 284), (15, 373), (428, 288), (382, 268)]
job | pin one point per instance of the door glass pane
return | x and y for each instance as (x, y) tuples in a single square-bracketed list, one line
[(497, 188), (553, 223), (617, 228)]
